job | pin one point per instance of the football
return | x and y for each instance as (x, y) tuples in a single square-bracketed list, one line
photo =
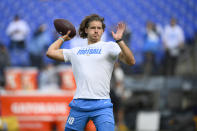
[(62, 26)]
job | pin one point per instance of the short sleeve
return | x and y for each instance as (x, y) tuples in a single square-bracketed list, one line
[(67, 54), (114, 49)]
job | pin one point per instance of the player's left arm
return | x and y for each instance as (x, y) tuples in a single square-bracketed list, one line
[(126, 55)]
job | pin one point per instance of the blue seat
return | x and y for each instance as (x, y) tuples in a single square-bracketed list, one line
[(134, 13)]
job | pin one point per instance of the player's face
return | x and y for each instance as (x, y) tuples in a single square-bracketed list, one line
[(94, 31)]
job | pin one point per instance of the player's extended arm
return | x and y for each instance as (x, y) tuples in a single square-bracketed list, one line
[(126, 55), (54, 51)]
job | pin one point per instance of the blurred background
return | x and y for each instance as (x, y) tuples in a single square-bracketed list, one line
[(158, 93)]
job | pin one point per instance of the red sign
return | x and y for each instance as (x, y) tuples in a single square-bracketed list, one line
[(21, 78), (35, 110)]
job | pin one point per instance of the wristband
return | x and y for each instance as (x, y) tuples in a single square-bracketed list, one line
[(61, 39), (117, 41)]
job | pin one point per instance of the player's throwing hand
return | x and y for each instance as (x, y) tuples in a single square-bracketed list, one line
[(66, 37)]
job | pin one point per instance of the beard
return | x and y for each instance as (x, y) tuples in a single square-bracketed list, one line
[(94, 38)]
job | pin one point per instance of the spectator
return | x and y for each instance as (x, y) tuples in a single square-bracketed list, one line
[(151, 46), (54, 35), (48, 78), (4, 62), (119, 96), (38, 45), (173, 40), (17, 31)]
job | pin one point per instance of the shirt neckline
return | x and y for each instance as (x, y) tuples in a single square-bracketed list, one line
[(94, 44)]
